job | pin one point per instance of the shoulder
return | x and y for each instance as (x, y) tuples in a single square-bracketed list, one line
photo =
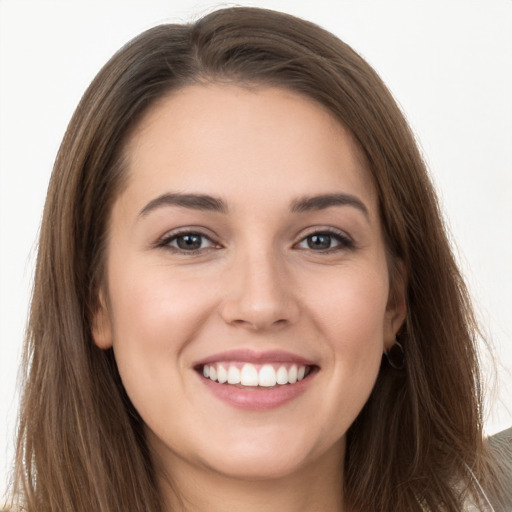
[(500, 446)]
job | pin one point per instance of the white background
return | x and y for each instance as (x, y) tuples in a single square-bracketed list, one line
[(449, 63)]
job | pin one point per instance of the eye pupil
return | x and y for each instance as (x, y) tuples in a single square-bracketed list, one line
[(189, 242), (319, 241)]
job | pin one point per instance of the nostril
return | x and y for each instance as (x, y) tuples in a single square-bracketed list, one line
[(260, 303), (259, 322)]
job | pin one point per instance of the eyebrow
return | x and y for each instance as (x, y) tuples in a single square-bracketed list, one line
[(215, 204), (192, 201), (323, 201)]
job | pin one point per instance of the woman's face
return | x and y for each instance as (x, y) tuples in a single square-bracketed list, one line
[(246, 246)]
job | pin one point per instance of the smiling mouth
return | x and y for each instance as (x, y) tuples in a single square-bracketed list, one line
[(255, 376)]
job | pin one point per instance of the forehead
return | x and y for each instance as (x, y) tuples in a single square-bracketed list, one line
[(223, 137)]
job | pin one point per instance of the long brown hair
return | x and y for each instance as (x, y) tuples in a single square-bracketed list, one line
[(416, 445)]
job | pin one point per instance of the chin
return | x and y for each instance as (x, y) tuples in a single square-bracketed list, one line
[(271, 456), (259, 466)]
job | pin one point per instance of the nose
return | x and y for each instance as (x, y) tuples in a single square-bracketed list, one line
[(259, 293)]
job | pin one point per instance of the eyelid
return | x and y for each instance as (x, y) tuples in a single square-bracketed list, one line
[(344, 239), (165, 240)]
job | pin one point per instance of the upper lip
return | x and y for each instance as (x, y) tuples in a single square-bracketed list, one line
[(254, 357)]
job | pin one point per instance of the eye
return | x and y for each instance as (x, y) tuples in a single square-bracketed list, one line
[(325, 241), (187, 242)]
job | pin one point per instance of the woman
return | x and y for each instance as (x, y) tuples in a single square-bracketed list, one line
[(238, 226)]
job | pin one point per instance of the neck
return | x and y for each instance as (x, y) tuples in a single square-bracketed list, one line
[(316, 487)]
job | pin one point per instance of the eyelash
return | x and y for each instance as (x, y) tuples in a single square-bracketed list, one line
[(169, 239), (344, 242)]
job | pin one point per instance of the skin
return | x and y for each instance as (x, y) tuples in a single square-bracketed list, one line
[(255, 283)]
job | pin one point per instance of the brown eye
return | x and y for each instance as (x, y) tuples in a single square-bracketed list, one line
[(188, 242), (319, 241), (325, 241)]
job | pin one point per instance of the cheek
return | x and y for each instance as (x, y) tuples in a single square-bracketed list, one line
[(349, 311), (351, 317), (351, 308), (155, 314), (154, 307)]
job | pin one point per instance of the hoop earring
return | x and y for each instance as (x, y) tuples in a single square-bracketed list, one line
[(396, 356)]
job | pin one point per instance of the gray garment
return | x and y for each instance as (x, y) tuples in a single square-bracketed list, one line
[(501, 445)]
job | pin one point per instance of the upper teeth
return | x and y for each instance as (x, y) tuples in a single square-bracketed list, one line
[(266, 375)]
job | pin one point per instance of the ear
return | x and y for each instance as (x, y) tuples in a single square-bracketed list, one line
[(101, 324), (396, 308)]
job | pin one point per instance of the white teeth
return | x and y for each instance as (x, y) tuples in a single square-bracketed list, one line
[(233, 375), (292, 374), (249, 375), (267, 376), (282, 375), (222, 374)]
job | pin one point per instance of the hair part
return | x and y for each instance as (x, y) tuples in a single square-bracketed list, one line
[(81, 443)]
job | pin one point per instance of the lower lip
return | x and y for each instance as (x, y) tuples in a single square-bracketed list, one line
[(257, 398)]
